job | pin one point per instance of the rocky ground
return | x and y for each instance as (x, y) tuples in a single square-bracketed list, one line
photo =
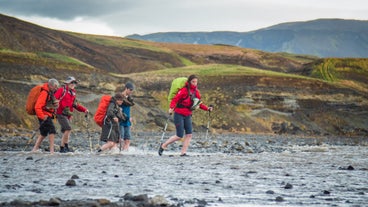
[(222, 170)]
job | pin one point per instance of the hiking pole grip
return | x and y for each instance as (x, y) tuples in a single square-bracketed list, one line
[(209, 111)]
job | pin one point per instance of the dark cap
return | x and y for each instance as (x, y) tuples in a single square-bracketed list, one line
[(129, 85)]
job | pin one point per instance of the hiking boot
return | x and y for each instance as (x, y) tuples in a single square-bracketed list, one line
[(160, 150), (67, 148), (62, 149)]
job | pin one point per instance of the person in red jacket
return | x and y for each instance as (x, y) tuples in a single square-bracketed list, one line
[(45, 111), (185, 101), (67, 104)]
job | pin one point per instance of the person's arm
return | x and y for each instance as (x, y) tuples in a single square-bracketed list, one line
[(110, 111), (202, 105), (79, 107)]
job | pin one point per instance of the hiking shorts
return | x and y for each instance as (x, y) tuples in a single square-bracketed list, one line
[(183, 123), (47, 127), (125, 132), (64, 123)]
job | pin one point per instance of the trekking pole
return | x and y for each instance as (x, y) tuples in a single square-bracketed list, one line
[(209, 122), (89, 135), (164, 130), (120, 137), (33, 135), (31, 139)]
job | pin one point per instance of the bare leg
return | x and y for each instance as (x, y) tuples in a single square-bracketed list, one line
[(126, 144), (172, 139), (187, 139), (52, 140), (108, 145), (38, 143), (65, 138)]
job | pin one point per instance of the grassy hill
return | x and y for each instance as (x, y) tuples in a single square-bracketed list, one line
[(320, 37), (252, 91)]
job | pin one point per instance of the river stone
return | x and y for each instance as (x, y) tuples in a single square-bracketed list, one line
[(71, 182), (288, 186), (54, 202), (279, 199), (142, 197), (159, 200), (103, 201), (75, 177)]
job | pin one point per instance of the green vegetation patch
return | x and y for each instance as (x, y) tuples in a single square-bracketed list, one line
[(350, 72), (219, 70), (119, 42), (334, 69), (63, 58)]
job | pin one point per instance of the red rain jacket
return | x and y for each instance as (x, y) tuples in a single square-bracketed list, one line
[(68, 97), (183, 98)]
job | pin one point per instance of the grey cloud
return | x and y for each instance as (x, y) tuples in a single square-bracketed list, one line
[(64, 9)]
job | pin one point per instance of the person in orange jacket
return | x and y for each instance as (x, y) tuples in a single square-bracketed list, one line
[(68, 102), (45, 110)]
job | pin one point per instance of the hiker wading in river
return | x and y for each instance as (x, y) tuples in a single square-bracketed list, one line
[(183, 104)]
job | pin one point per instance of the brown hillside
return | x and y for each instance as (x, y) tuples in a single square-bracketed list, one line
[(252, 91), (25, 37)]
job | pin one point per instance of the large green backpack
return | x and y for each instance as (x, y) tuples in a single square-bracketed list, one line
[(176, 85)]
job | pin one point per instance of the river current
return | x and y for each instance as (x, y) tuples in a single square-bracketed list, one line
[(298, 175)]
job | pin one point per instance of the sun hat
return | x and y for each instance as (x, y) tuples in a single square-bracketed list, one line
[(70, 79)]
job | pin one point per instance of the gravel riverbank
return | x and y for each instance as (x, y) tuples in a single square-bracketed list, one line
[(222, 170)]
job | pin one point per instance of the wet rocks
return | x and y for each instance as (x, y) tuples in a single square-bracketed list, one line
[(279, 199), (270, 192), (128, 200), (288, 186), (71, 183), (347, 168)]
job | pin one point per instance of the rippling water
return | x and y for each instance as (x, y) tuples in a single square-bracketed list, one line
[(308, 175)]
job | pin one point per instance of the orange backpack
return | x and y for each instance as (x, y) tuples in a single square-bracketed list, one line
[(33, 95), (101, 110)]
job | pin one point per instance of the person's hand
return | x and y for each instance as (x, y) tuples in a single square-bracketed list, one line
[(116, 119), (171, 111), (45, 118), (86, 113), (210, 108)]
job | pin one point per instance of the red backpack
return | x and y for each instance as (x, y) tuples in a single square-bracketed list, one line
[(101, 110), (33, 95)]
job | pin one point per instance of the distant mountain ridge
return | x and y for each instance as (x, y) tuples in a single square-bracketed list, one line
[(321, 37)]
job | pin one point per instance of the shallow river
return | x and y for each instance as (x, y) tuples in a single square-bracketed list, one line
[(297, 175)]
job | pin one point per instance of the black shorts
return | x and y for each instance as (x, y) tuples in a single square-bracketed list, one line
[(47, 127)]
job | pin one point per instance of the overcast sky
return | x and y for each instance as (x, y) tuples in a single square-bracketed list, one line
[(125, 17)]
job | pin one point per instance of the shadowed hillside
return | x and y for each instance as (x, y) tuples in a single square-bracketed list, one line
[(321, 37), (252, 91)]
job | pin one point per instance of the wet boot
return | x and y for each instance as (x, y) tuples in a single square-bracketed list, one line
[(62, 149), (67, 148)]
